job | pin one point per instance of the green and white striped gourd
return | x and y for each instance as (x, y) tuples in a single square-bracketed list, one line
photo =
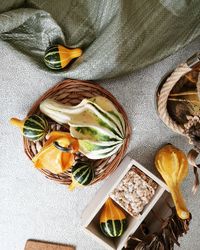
[(112, 220), (95, 122), (82, 174), (33, 127)]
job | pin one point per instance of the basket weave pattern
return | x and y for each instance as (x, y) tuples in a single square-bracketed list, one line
[(164, 94), (72, 92)]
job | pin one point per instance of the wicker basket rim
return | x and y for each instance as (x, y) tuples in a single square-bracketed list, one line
[(110, 166)]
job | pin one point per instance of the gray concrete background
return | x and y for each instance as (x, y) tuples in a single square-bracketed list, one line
[(32, 206)]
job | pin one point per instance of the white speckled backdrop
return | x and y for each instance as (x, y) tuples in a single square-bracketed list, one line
[(32, 206)]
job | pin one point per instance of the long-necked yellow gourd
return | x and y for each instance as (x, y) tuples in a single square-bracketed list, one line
[(172, 164)]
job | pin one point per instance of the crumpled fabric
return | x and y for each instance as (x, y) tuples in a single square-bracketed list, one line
[(117, 36)]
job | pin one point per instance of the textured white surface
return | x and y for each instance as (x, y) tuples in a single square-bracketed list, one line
[(32, 206)]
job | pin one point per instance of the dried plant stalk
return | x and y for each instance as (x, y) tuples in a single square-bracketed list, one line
[(171, 229)]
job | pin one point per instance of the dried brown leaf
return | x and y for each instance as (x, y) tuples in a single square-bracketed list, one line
[(171, 229)]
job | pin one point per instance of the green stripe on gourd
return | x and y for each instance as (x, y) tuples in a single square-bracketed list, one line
[(102, 155), (85, 181), (95, 133), (83, 173), (112, 219), (93, 145), (94, 151), (105, 154), (113, 228), (92, 133), (95, 119), (108, 107), (52, 58), (106, 118), (103, 118), (119, 117), (35, 128), (41, 122)]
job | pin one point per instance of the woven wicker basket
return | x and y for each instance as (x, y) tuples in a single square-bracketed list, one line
[(166, 87), (72, 92)]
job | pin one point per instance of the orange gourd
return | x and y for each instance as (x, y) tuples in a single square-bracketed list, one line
[(57, 154)]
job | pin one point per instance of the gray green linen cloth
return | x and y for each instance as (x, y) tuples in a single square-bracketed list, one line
[(117, 36)]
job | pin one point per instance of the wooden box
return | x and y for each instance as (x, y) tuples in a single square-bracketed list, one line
[(90, 216)]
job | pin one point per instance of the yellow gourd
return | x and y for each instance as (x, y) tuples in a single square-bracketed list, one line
[(172, 164)]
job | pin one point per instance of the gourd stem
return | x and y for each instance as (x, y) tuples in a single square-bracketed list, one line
[(108, 200), (74, 53), (16, 122), (62, 148), (179, 203), (73, 184)]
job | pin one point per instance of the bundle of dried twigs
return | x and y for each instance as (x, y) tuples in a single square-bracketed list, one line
[(171, 229)]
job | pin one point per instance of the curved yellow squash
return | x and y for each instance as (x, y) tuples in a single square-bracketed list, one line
[(172, 164)]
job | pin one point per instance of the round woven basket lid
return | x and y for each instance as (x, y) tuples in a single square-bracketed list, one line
[(72, 92), (177, 95)]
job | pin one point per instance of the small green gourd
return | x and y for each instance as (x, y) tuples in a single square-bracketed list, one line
[(33, 127), (82, 174), (58, 57), (113, 220)]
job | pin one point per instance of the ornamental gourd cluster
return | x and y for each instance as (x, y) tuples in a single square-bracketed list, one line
[(96, 129), (95, 123)]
